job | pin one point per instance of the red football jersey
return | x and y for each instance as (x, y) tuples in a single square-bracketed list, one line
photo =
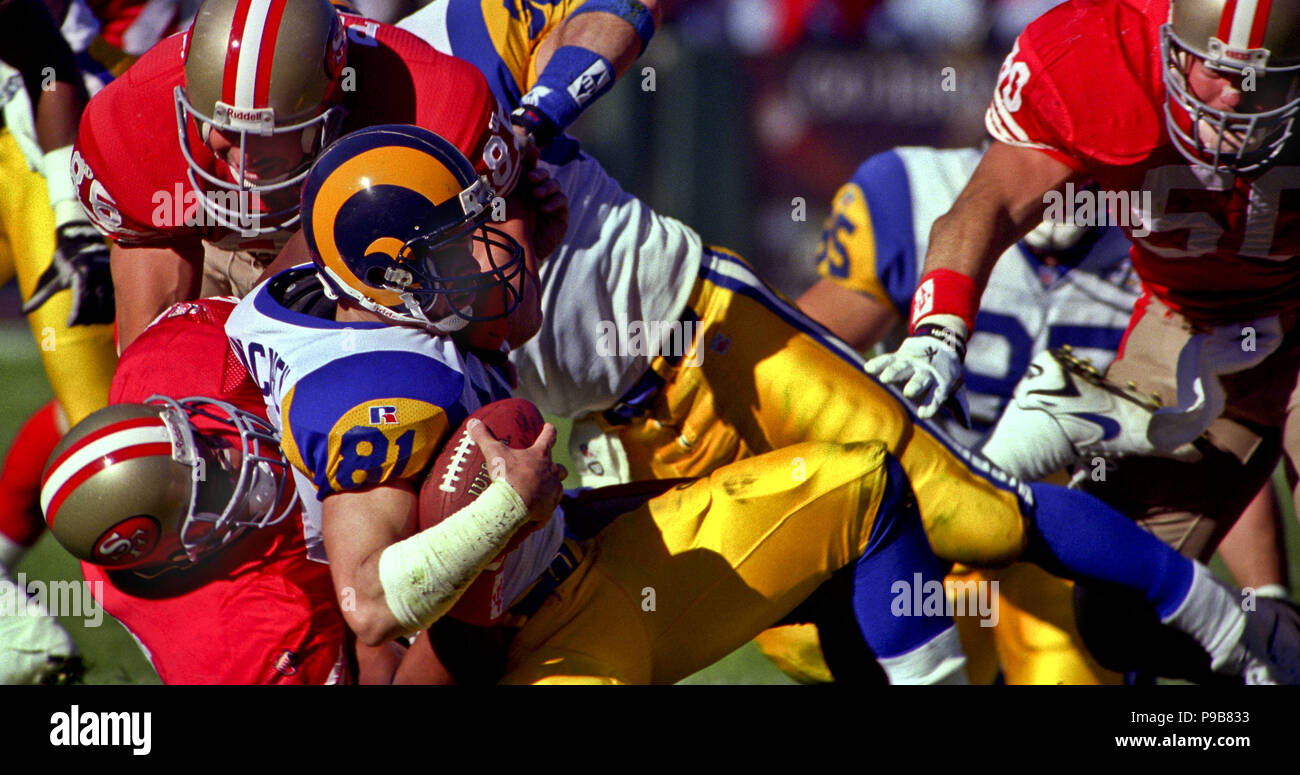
[(131, 175), (1083, 84), (258, 611)]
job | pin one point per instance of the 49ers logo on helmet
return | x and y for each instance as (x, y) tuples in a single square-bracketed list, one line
[(127, 541)]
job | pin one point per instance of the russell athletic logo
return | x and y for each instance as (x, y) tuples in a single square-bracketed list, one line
[(383, 414), (91, 728)]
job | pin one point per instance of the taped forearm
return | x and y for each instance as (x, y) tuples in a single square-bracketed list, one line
[(423, 576)]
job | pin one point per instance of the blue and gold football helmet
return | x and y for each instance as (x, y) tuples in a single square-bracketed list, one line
[(392, 215)]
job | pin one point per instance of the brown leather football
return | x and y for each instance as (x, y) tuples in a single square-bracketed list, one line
[(459, 475)]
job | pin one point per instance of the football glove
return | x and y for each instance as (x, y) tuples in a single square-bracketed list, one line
[(80, 264), (536, 125), (928, 367)]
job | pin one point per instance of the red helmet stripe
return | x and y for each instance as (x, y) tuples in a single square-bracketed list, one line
[(266, 56), (233, 46), (125, 425), (250, 54), (1225, 21), (1260, 26), (97, 465)]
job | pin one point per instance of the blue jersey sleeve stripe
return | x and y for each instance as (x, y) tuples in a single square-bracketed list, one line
[(884, 184)]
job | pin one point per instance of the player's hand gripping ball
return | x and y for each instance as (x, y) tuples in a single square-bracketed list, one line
[(459, 475)]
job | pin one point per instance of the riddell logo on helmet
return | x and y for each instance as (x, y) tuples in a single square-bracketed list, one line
[(260, 120)]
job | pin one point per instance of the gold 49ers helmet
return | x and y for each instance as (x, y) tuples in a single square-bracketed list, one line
[(392, 215), (163, 483), (259, 69), (1255, 43)]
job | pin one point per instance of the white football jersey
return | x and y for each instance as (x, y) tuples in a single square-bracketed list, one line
[(621, 262), (358, 404), (876, 241)]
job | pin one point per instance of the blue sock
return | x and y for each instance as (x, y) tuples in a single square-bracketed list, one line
[(1076, 536), (898, 558)]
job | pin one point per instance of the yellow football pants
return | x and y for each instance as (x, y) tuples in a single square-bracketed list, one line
[(696, 572), (79, 360), (767, 378), (770, 378)]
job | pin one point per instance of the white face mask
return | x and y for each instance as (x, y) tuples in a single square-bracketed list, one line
[(1054, 237)]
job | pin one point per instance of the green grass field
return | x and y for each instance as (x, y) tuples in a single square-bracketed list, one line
[(112, 656)]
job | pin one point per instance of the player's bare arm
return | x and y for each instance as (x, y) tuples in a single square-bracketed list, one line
[(359, 527), (854, 317), (1000, 204), (580, 60), (31, 43), (603, 33), (148, 280)]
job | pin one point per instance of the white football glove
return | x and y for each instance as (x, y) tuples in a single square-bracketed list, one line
[(928, 368)]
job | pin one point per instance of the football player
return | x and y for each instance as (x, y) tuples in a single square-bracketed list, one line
[(785, 381), (184, 515), (192, 161), (54, 247), (417, 341), (1062, 285), (340, 380), (1208, 91)]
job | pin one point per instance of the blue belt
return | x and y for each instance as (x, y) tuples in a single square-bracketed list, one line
[(561, 568)]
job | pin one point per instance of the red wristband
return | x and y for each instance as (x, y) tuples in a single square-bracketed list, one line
[(945, 292)]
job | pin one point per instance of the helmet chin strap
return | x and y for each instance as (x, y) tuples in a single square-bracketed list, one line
[(447, 325), (263, 491)]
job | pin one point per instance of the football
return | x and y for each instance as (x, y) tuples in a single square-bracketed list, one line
[(458, 476)]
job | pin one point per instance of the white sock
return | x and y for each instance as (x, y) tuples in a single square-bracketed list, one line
[(1212, 615), (1275, 591), (939, 660)]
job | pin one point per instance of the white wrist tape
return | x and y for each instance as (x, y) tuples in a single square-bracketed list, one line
[(423, 576), (56, 166)]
